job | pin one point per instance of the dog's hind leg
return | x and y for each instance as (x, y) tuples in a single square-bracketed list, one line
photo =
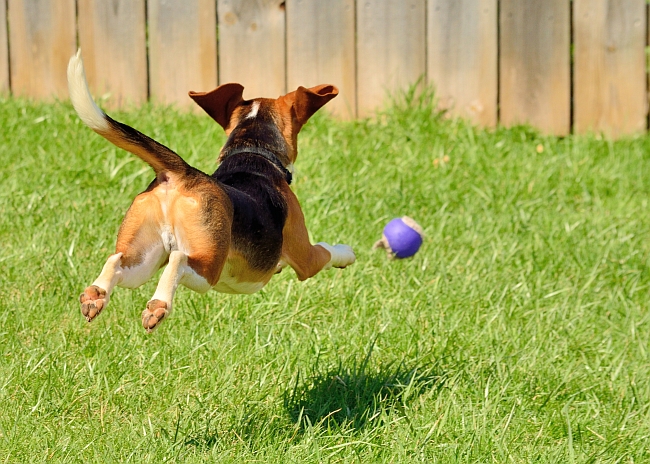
[(139, 253), (95, 297), (119, 270), (201, 225), (177, 272)]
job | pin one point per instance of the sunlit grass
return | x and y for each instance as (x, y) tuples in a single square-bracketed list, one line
[(519, 332)]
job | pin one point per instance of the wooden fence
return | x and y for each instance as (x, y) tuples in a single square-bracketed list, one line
[(560, 65)]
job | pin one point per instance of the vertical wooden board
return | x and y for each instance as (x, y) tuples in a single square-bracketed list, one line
[(609, 74), (535, 62), (251, 46), (113, 45), (321, 49), (4, 50), (42, 38), (462, 41), (391, 54), (182, 49)]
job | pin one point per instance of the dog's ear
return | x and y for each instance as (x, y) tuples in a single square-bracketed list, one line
[(220, 102), (306, 102)]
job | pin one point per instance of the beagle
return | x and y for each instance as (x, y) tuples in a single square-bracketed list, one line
[(230, 231)]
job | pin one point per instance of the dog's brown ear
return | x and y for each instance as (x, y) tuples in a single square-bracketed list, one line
[(307, 101), (220, 102)]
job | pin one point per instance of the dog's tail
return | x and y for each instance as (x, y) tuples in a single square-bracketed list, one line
[(158, 156)]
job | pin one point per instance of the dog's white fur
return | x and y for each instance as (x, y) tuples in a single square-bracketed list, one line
[(253, 112), (342, 255), (80, 96)]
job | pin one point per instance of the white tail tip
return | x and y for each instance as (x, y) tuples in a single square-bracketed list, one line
[(81, 98)]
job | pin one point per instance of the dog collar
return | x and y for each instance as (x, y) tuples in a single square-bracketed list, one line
[(263, 152)]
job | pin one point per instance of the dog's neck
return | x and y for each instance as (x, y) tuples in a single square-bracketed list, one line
[(259, 136), (228, 151)]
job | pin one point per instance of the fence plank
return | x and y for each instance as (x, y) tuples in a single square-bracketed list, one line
[(4, 50), (535, 64), (609, 76), (252, 46), (41, 39), (112, 40), (390, 49), (462, 57), (182, 49), (321, 49)]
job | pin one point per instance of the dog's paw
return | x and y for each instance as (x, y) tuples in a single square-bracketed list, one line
[(152, 316), (343, 256), (93, 300)]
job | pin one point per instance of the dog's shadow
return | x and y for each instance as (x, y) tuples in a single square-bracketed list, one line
[(355, 396)]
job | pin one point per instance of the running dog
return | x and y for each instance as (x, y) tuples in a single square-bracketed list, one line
[(230, 231)]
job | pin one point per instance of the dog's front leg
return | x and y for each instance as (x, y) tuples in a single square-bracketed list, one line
[(297, 251), (340, 255), (308, 260)]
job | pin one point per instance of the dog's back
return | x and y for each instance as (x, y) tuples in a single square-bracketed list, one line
[(259, 209)]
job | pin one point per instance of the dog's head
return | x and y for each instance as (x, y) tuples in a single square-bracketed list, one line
[(288, 113)]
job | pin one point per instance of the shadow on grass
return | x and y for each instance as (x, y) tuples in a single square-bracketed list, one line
[(352, 397)]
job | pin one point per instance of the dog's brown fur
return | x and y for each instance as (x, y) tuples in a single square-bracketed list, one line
[(230, 231)]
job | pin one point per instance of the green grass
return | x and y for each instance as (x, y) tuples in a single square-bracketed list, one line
[(519, 333)]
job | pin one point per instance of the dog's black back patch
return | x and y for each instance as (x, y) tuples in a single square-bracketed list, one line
[(259, 209)]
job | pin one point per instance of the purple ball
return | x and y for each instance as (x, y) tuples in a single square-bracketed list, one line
[(404, 236)]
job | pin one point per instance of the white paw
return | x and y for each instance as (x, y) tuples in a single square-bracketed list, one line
[(342, 255)]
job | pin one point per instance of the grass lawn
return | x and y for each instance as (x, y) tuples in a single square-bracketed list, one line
[(519, 333)]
